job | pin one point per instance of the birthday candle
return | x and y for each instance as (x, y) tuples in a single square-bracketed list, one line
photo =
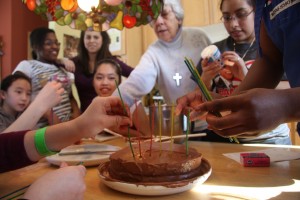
[(137, 127), (128, 128), (152, 125), (204, 90), (172, 125), (187, 134), (159, 124)]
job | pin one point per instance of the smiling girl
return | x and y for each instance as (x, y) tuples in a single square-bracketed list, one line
[(44, 68), (239, 51), (107, 71), (93, 47)]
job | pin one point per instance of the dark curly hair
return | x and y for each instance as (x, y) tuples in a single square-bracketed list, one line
[(103, 53), (8, 81), (37, 38)]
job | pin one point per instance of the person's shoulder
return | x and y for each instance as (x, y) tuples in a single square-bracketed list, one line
[(2, 113), (222, 43), (118, 60), (28, 66), (75, 59), (196, 34), (24, 62), (154, 47), (28, 62), (5, 120), (23, 65)]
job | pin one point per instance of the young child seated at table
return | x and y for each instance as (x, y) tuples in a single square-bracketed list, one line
[(15, 98)]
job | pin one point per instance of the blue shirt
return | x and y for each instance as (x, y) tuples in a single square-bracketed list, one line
[(282, 21)]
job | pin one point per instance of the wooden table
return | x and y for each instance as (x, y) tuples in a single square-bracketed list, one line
[(229, 179)]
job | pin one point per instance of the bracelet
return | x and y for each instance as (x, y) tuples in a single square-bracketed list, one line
[(40, 143)]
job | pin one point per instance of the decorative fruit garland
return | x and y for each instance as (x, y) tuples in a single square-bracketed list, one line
[(109, 13)]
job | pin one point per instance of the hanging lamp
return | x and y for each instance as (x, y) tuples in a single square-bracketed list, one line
[(97, 15)]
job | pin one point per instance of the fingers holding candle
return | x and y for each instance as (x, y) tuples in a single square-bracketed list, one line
[(116, 106), (189, 101), (204, 91)]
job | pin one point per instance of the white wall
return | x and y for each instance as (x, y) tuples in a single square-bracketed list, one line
[(215, 32)]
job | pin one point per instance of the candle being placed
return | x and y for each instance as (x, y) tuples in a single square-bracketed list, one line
[(137, 127), (128, 129), (191, 66), (152, 126), (187, 134)]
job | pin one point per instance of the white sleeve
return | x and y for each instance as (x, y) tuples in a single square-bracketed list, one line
[(141, 80), (24, 67)]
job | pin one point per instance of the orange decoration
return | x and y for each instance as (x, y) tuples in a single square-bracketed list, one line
[(31, 4), (74, 8), (67, 4)]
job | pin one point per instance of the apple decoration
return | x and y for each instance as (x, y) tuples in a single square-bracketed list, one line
[(31, 5), (129, 21), (113, 2)]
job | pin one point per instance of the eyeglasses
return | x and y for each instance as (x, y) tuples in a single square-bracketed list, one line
[(240, 16), (51, 43)]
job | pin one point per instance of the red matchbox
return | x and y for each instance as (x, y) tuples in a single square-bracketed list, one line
[(254, 160)]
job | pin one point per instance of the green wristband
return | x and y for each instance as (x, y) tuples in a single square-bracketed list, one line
[(40, 143)]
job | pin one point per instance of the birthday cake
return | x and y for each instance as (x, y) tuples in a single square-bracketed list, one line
[(157, 163)]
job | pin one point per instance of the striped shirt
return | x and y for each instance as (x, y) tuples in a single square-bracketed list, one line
[(40, 73)]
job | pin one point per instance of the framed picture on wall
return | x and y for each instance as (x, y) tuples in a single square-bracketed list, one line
[(117, 44), (70, 44)]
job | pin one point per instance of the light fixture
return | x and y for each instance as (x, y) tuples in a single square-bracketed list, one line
[(87, 5), (97, 15), (113, 2)]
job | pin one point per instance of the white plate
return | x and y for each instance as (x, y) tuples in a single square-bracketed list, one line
[(155, 190), (102, 137), (90, 159)]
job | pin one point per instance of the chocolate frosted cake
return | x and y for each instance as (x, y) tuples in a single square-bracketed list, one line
[(162, 165)]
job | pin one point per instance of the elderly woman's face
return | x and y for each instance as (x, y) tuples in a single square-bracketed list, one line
[(166, 25)]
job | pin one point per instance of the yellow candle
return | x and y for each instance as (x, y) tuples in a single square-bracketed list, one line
[(159, 123), (172, 125)]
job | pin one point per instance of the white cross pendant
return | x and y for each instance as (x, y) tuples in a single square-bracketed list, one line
[(177, 78)]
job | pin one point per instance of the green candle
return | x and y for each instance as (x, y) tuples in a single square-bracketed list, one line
[(128, 129), (191, 66)]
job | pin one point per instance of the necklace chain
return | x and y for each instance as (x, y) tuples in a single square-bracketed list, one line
[(246, 50)]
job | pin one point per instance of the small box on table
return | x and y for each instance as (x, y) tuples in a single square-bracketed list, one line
[(254, 160)]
